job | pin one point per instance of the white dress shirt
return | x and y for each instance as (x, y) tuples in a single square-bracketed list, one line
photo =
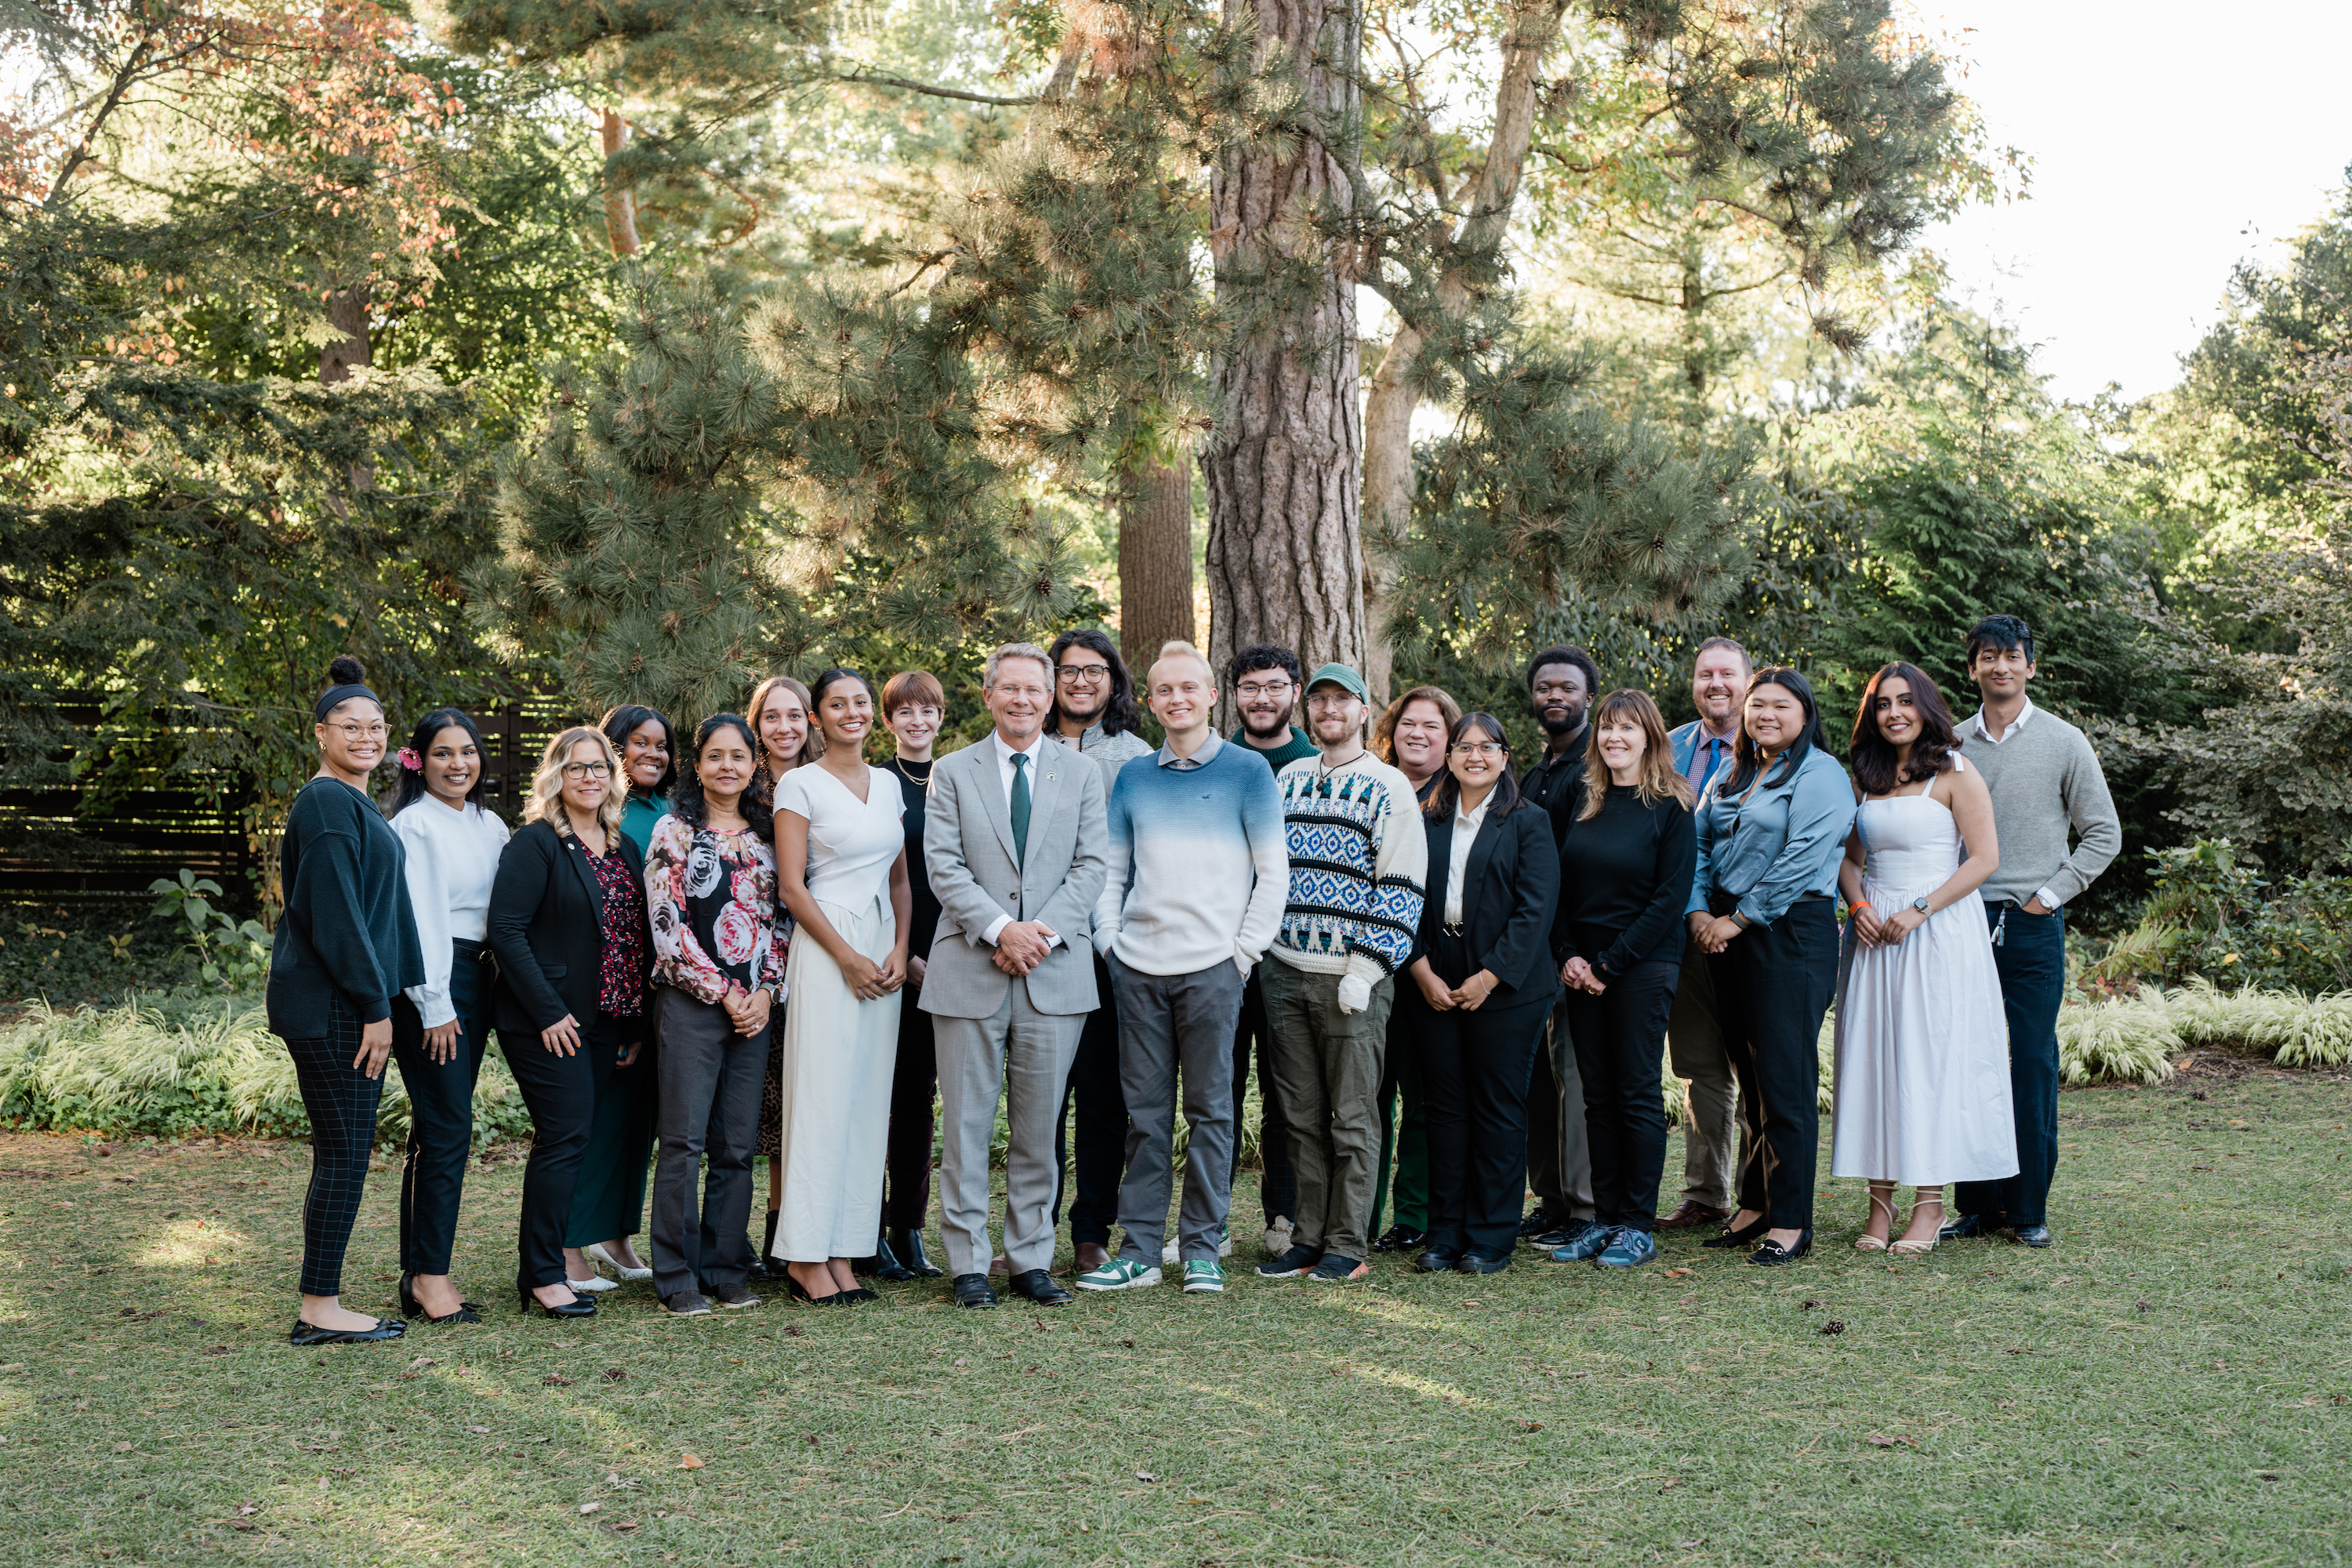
[(2046, 898), (1465, 834), (1035, 753), (452, 859)]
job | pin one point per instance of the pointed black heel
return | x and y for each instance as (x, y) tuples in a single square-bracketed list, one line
[(578, 1307), (410, 1307), (1742, 1237), (800, 1293)]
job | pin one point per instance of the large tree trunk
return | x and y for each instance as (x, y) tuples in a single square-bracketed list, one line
[(620, 205), (347, 312), (1155, 561), (1285, 466), (1388, 407)]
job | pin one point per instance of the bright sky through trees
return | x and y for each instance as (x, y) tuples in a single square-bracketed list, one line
[(2169, 139)]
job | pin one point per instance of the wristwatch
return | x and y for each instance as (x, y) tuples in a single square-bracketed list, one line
[(1921, 905)]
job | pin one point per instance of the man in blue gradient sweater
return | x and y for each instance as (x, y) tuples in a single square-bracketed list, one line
[(1199, 870)]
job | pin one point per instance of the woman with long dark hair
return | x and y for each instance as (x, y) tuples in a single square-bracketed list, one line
[(841, 869), (1923, 1092), (1771, 829), (711, 890), (568, 923), (441, 1026), (1483, 986), (344, 946), (781, 715), (648, 749), (1625, 877)]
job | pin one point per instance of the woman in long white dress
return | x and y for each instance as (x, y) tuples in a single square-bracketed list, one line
[(1923, 1093), (841, 869)]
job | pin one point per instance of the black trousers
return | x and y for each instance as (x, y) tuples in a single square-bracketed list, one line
[(561, 1093), (1773, 986), (1277, 1189), (1091, 1188), (341, 1103), (1475, 1069), (1621, 1041), (914, 1091), (440, 1114), (710, 1106)]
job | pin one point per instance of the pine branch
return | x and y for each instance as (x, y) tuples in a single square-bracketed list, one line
[(875, 79)]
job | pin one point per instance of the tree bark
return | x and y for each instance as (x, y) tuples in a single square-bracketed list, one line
[(1155, 561), (1286, 466), (620, 204), (1388, 406), (347, 312)]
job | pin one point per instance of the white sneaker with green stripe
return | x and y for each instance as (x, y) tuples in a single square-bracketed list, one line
[(1203, 1277), (1118, 1274)]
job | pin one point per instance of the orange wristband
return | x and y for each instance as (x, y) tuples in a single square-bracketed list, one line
[(1858, 904)]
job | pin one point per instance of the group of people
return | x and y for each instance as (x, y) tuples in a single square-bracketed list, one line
[(1458, 974)]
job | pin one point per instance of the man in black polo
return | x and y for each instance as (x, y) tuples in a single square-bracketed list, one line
[(1562, 682)]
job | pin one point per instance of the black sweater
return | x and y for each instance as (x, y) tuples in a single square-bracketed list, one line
[(1624, 876), (348, 925)]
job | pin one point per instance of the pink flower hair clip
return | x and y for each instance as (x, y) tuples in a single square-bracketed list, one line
[(408, 759)]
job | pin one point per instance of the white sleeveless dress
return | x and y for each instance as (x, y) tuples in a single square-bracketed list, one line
[(1923, 1094)]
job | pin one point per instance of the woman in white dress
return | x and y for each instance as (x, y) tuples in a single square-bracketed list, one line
[(1923, 1094), (841, 869)]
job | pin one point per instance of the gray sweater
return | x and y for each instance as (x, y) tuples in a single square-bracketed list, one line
[(2044, 778)]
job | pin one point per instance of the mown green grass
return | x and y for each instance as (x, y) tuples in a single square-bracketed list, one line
[(2168, 1385)]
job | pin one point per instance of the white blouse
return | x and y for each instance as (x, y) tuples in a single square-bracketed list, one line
[(1465, 834), (453, 857), (852, 843)]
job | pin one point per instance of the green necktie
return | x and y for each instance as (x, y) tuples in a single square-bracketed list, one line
[(1020, 808)]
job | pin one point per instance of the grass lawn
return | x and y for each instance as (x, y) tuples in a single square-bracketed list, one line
[(2169, 1384)]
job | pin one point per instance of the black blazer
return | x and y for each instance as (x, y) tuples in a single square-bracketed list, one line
[(1510, 891), (546, 926)]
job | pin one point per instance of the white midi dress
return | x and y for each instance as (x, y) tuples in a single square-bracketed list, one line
[(837, 1053), (1923, 1094)]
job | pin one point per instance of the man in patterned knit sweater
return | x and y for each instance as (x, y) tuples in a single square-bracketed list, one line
[(1358, 861)]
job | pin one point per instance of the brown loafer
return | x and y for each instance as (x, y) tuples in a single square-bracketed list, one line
[(1089, 1256), (1690, 1214)]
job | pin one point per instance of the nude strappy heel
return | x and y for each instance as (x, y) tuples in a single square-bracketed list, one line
[(1919, 1249), (1867, 1242)]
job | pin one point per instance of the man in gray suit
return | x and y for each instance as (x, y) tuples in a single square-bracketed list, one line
[(1017, 846)]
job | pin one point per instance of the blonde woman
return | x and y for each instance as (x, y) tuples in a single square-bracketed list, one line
[(779, 712), (568, 923)]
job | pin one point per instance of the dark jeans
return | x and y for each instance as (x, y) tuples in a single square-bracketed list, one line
[(710, 1083), (1773, 986), (1102, 1124), (914, 1090), (562, 1092), (2031, 958), (1277, 1188), (1621, 1039), (440, 1114), (1476, 1073), (1404, 1132), (341, 1103)]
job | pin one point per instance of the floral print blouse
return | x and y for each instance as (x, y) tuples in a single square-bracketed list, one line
[(621, 968), (712, 897)]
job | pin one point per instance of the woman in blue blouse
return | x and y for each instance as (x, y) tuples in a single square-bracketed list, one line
[(1772, 831)]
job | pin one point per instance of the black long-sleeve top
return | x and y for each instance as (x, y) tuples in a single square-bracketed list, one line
[(1625, 877), (915, 789), (348, 925)]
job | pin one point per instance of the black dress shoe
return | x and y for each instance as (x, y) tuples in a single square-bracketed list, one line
[(1537, 1222), (1039, 1287), (800, 1292), (1771, 1254), (1742, 1237), (852, 1297), (971, 1290), (1968, 1226), (385, 1328), (906, 1246), (1437, 1260), (759, 1269), (1400, 1239), (2031, 1234), (1477, 1262), (884, 1263), (578, 1307)]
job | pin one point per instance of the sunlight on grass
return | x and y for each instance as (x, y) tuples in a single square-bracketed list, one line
[(1412, 1383)]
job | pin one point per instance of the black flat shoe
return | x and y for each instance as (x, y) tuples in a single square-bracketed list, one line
[(1040, 1287), (1483, 1263), (906, 1246), (2031, 1234), (1771, 1254), (1968, 1226), (1436, 1261), (971, 1290), (305, 1335), (410, 1307), (1400, 1239), (1742, 1237), (800, 1292), (578, 1307)]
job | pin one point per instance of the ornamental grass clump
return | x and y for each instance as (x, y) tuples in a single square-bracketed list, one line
[(2126, 1039), (2294, 1031)]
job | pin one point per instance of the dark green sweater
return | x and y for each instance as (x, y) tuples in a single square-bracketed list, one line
[(348, 925)]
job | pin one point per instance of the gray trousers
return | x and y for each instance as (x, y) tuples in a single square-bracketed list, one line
[(1166, 1021), (1023, 1056), (710, 1080), (1327, 1067), (1695, 1049), (1559, 1154)]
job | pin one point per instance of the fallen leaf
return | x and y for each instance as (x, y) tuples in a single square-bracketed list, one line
[(624, 1525), (614, 1375), (590, 1506), (424, 1360), (1878, 1442), (123, 1447), (478, 1429), (1532, 1426), (1676, 1273), (1129, 1344), (556, 1380), (688, 1462), (1145, 1475)]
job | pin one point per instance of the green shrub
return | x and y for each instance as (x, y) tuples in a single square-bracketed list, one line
[(2214, 915)]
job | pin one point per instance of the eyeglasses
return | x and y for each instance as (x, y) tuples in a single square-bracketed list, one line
[(1487, 749), (1083, 674), (586, 770), (1261, 688), (355, 732)]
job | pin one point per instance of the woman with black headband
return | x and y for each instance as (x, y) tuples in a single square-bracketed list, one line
[(345, 947)]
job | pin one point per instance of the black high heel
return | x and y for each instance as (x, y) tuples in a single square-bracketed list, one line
[(578, 1307), (1741, 1236), (906, 1246), (800, 1293), (410, 1307), (1771, 1255)]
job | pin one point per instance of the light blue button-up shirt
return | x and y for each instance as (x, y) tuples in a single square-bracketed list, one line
[(1780, 843)]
